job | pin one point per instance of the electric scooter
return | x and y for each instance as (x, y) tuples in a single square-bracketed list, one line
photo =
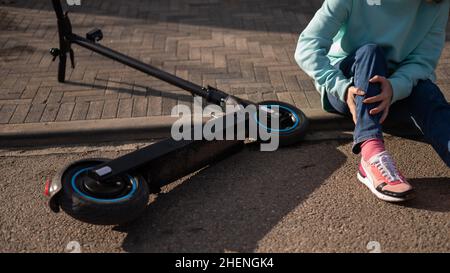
[(115, 191)]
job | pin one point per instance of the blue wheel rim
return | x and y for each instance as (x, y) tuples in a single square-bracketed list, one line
[(297, 120), (105, 200)]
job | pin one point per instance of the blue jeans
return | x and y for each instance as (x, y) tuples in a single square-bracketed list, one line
[(426, 106)]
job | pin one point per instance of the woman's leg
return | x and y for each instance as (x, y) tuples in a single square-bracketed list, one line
[(431, 112), (367, 62), (377, 169)]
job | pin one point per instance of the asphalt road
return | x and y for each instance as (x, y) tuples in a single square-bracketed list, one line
[(299, 199)]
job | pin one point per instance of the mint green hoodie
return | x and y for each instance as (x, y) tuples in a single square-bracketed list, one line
[(411, 33)]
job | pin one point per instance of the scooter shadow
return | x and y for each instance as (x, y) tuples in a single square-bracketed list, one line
[(231, 206), (131, 89)]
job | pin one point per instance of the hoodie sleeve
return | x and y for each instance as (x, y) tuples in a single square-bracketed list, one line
[(421, 63), (315, 42)]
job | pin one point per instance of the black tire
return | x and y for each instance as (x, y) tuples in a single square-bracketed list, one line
[(296, 131), (101, 211)]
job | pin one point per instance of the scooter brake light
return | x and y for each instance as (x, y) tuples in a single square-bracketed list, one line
[(48, 183)]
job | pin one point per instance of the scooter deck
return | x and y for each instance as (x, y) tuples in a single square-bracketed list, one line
[(169, 159)]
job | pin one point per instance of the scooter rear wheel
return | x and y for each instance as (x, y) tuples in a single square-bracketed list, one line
[(292, 126), (119, 201)]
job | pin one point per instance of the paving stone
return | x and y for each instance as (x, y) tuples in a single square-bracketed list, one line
[(95, 109), (80, 111), (50, 112), (35, 113), (65, 111), (110, 109), (140, 107), (6, 112), (249, 55), (20, 114), (125, 108), (42, 95)]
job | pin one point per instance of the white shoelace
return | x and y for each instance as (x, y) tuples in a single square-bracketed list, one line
[(386, 166)]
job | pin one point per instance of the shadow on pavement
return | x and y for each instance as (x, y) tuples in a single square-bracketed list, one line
[(132, 89), (284, 16), (232, 205), (433, 194)]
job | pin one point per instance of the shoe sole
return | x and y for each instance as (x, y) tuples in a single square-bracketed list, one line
[(366, 181)]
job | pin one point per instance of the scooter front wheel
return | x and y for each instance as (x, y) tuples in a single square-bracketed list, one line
[(118, 201), (292, 123)]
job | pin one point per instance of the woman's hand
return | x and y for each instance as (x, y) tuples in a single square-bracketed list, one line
[(352, 92), (385, 97)]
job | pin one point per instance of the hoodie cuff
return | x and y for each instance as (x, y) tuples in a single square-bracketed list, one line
[(342, 87), (400, 89)]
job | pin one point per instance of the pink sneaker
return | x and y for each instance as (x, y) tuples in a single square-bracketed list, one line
[(381, 176)]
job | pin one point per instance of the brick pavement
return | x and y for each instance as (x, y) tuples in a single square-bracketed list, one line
[(243, 47)]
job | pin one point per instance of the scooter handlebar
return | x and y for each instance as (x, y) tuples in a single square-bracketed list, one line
[(64, 29), (58, 9)]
